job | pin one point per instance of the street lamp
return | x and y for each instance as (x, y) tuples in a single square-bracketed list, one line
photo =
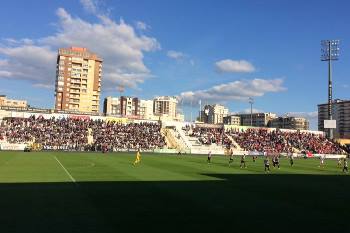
[(251, 101), (329, 52)]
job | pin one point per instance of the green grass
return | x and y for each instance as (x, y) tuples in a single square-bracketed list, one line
[(94, 192)]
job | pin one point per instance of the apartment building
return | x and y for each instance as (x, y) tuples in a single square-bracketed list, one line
[(122, 106), (214, 114), (340, 113), (78, 80), (5, 102)]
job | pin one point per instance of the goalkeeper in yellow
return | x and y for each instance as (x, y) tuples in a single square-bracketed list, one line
[(138, 157)]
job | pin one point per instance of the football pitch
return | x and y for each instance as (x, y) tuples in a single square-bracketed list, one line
[(95, 192)]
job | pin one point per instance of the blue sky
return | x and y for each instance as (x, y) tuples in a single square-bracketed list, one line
[(216, 51)]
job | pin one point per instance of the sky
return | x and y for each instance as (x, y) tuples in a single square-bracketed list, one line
[(213, 51)]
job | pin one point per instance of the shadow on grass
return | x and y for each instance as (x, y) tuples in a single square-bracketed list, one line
[(239, 203)]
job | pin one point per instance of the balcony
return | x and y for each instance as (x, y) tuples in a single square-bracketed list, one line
[(75, 86), (75, 82), (74, 90), (73, 101), (75, 96)]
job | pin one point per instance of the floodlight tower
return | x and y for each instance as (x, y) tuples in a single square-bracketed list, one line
[(330, 52), (251, 101), (121, 89)]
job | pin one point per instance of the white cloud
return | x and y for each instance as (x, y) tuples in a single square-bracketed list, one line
[(175, 55), (232, 66), (4, 73), (308, 115), (234, 91), (89, 5), (121, 48), (13, 41), (142, 26), (44, 86), (28, 62), (345, 86)]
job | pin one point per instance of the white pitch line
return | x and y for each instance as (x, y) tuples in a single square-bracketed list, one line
[(70, 176)]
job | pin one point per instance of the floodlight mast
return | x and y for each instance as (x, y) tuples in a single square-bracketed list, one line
[(251, 101), (329, 52)]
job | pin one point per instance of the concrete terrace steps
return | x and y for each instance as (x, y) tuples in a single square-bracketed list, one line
[(198, 148), (237, 146)]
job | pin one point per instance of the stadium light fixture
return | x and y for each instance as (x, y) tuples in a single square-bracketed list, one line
[(330, 52), (251, 101)]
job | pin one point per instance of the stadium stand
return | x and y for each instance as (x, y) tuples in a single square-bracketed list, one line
[(87, 134), (277, 141), (205, 138), (127, 136), (73, 134)]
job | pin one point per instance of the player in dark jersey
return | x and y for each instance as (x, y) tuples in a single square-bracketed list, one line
[(254, 158), (267, 164), (243, 162), (231, 158), (345, 165), (277, 161), (274, 161), (291, 160)]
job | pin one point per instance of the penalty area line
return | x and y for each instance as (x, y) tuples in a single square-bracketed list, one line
[(70, 176)]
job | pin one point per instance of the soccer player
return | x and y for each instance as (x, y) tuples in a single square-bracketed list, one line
[(321, 162), (291, 160), (209, 157), (138, 157), (254, 158), (231, 158), (243, 161), (345, 166), (274, 161), (267, 164), (339, 162), (277, 161)]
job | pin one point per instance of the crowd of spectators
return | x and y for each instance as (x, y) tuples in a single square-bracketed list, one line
[(50, 133), (2, 135), (277, 141), (96, 135), (118, 136), (73, 134), (208, 136), (266, 140)]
